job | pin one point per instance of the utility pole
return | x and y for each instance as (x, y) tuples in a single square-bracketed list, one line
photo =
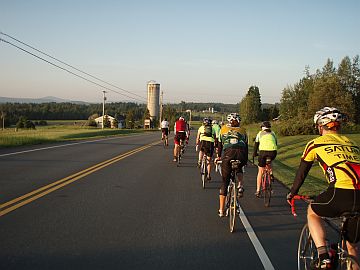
[(161, 108), (103, 114)]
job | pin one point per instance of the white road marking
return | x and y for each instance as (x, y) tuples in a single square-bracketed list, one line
[(57, 146), (256, 243)]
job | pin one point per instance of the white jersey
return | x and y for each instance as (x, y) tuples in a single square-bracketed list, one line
[(164, 124)]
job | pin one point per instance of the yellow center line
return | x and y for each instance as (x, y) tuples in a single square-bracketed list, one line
[(38, 193)]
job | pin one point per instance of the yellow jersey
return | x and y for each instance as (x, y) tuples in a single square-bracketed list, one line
[(338, 157)]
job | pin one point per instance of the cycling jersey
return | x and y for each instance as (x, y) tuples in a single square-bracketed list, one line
[(338, 157), (217, 130), (234, 137), (164, 124), (267, 141), (201, 133), (180, 126)]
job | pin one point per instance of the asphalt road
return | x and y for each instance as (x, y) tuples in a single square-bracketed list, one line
[(121, 203)]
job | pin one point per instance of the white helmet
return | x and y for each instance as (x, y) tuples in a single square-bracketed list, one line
[(327, 115), (214, 122), (181, 118), (233, 116)]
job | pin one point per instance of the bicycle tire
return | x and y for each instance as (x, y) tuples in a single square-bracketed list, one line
[(232, 207), (307, 252), (203, 172), (267, 188)]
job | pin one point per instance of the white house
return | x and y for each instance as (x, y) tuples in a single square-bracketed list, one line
[(99, 121)]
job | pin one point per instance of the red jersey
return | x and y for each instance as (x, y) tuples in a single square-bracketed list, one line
[(180, 125)]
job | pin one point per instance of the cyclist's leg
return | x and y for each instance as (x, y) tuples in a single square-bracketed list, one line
[(176, 146), (317, 232), (226, 171), (209, 152), (352, 249), (327, 204), (261, 168)]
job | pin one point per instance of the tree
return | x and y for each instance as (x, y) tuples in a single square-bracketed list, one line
[(250, 106), (3, 114)]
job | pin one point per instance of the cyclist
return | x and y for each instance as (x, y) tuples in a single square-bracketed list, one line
[(233, 141), (205, 142), (266, 143), (217, 133), (339, 159), (165, 130), (181, 133)]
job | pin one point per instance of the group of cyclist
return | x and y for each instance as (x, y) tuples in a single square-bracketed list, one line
[(337, 155)]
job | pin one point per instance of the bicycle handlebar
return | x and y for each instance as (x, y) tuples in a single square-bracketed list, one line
[(298, 197)]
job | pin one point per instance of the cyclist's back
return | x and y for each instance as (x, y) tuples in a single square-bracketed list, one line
[(233, 141), (339, 159)]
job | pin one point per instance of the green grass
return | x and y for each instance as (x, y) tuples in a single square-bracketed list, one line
[(285, 165), (11, 138)]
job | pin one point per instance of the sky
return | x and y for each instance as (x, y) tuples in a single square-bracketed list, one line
[(197, 50)]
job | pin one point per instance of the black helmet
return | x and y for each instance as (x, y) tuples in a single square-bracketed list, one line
[(266, 125)]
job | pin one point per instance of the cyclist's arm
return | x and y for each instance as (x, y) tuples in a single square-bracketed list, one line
[(256, 147), (301, 174)]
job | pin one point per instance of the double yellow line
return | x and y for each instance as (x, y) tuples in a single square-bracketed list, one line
[(38, 193)]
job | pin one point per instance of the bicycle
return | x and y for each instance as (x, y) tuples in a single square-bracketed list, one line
[(180, 152), (266, 183), (232, 202), (307, 252), (203, 170), (165, 139)]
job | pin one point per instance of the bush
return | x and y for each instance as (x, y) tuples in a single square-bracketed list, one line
[(294, 127)]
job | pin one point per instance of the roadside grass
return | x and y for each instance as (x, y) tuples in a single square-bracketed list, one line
[(58, 133), (290, 149)]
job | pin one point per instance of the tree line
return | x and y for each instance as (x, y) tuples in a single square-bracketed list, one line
[(330, 86)]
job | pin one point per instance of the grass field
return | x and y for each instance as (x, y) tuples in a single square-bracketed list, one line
[(56, 133), (290, 149)]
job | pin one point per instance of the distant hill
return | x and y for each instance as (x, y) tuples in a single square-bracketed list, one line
[(39, 100)]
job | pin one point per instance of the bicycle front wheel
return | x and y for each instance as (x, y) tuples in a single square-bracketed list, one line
[(267, 189), (232, 207), (307, 252), (348, 263)]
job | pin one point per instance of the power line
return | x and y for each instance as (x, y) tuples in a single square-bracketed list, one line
[(70, 67)]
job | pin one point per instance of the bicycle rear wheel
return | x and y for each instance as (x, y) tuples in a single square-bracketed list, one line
[(266, 189), (348, 263), (203, 172), (307, 252), (232, 207)]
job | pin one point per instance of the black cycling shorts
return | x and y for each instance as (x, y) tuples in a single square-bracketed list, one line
[(165, 131), (263, 155), (229, 154), (207, 147), (335, 201)]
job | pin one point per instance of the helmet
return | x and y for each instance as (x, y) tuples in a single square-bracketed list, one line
[(214, 122), (206, 121), (266, 125), (181, 118), (233, 116), (327, 115)]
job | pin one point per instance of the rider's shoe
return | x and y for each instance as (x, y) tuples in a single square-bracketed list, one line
[(222, 213), (175, 159), (208, 178), (324, 264), (258, 194), (240, 192)]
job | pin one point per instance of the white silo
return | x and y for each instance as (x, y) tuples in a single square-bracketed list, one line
[(153, 90)]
